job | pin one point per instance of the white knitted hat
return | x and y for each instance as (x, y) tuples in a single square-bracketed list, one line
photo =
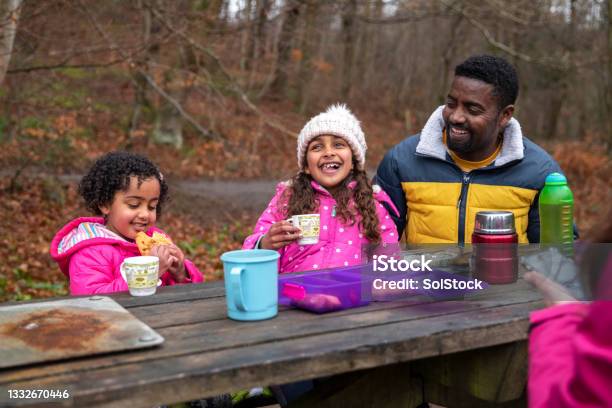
[(337, 120)]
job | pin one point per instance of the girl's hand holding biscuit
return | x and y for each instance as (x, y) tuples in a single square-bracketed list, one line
[(281, 233), (177, 266), (165, 257), (171, 259)]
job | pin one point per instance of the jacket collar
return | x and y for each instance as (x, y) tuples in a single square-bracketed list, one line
[(320, 189), (431, 143), (90, 229)]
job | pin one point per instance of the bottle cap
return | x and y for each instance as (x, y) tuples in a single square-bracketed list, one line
[(494, 222), (555, 179)]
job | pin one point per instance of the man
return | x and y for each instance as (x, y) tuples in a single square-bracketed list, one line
[(470, 156)]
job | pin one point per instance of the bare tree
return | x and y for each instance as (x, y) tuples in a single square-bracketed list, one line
[(369, 37), (248, 39), (449, 56), (348, 38), (263, 9), (310, 43), (140, 81), (187, 58), (177, 79), (256, 13), (563, 77), (608, 108), (9, 16), (280, 79)]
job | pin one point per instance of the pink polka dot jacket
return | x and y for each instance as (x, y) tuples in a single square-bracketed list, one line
[(339, 244)]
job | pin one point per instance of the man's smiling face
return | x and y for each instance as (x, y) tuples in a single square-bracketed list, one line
[(473, 119)]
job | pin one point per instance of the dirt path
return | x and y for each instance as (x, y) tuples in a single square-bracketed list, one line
[(203, 199), (221, 200)]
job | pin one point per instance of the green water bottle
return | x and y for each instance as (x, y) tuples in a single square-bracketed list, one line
[(557, 213)]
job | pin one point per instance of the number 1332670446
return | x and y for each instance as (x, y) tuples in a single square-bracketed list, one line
[(38, 394)]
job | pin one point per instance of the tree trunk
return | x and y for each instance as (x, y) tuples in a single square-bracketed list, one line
[(310, 43), (9, 16), (555, 110), (448, 57), (370, 40), (168, 127), (249, 41), (609, 87), (169, 122), (215, 11), (140, 92), (263, 9), (256, 47), (348, 37), (280, 79), (256, 41), (364, 39), (402, 100), (565, 78)]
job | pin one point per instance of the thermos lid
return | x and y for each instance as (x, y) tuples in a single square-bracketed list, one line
[(494, 222), (555, 179)]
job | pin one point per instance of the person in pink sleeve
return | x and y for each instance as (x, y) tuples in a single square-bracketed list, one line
[(126, 192), (570, 342), (331, 181)]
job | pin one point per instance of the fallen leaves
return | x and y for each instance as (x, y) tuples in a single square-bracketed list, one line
[(587, 166)]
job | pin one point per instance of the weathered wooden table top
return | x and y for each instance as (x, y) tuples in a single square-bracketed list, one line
[(206, 354)]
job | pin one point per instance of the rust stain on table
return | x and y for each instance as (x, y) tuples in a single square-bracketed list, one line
[(58, 329), (61, 329)]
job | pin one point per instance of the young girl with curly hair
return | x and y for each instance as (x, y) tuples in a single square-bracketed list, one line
[(332, 182), (126, 192)]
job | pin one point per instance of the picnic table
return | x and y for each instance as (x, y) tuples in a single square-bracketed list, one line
[(460, 353)]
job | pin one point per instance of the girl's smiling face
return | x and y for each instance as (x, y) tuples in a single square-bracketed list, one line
[(329, 160), (134, 210)]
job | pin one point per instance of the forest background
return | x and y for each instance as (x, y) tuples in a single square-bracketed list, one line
[(215, 91)]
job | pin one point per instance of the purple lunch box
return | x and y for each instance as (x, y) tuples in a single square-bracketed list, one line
[(323, 291)]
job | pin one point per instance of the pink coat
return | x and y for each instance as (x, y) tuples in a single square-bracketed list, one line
[(90, 255), (570, 356), (339, 244)]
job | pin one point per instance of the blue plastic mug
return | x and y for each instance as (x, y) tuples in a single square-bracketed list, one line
[(251, 283)]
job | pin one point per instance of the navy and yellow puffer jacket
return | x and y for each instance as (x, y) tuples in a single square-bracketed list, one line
[(438, 202)]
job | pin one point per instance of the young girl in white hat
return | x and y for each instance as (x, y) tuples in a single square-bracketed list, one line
[(332, 182)]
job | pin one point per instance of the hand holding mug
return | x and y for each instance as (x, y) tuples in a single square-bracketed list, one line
[(280, 234), (309, 225)]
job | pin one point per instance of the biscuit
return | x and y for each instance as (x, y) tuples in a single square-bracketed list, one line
[(145, 242)]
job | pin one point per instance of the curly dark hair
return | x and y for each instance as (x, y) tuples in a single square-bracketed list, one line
[(111, 173), (301, 199), (495, 71)]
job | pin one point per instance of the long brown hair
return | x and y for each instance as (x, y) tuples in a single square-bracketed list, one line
[(300, 198)]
